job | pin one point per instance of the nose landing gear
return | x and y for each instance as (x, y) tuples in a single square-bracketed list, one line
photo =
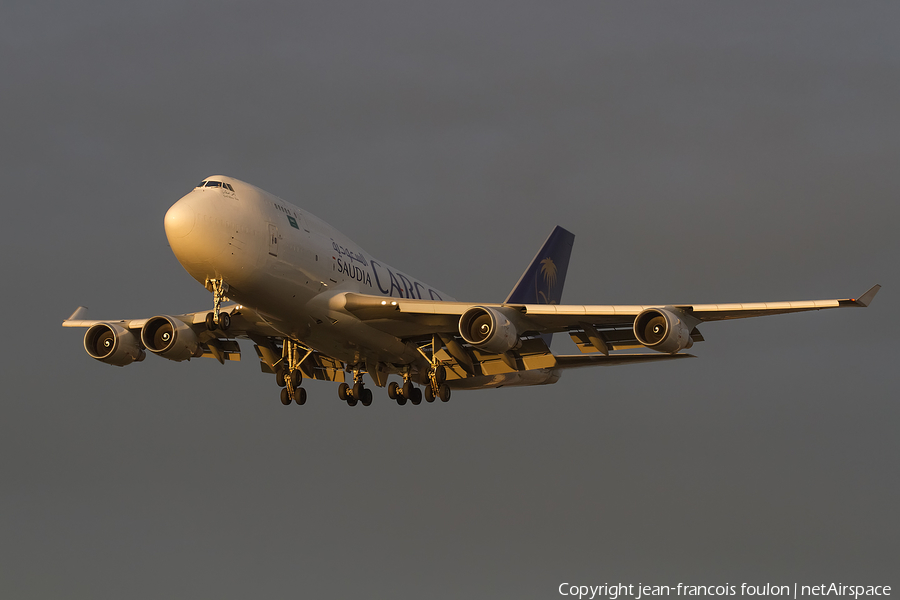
[(217, 319)]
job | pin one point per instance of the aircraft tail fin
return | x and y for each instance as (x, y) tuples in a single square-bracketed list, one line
[(542, 282)]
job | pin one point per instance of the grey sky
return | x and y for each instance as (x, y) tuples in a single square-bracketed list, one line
[(699, 151)]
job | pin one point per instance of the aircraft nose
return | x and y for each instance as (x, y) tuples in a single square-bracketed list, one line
[(197, 232), (180, 220)]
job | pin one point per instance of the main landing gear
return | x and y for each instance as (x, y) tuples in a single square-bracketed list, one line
[(436, 387), (288, 374), (217, 319), (437, 375), (407, 391), (358, 393)]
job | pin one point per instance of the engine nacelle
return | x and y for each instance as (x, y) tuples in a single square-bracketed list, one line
[(170, 338), (113, 344), (663, 330), (488, 329)]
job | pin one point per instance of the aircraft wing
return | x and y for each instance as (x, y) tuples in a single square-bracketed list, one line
[(610, 323), (123, 346), (596, 330), (244, 321)]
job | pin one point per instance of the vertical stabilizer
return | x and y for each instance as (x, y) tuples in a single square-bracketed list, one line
[(542, 282)]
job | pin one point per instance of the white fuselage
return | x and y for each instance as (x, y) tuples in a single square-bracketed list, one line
[(287, 264)]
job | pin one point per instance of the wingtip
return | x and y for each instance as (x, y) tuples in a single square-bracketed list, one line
[(79, 314), (866, 298)]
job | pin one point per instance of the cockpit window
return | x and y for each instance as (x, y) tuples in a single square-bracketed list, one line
[(210, 183)]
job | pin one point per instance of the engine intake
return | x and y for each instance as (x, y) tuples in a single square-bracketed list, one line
[(662, 330), (170, 338), (113, 345), (488, 329)]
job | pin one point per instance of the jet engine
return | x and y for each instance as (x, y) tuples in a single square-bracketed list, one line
[(170, 338), (662, 330), (113, 344), (488, 329)]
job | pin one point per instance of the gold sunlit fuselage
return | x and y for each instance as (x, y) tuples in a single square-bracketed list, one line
[(288, 265), (303, 285)]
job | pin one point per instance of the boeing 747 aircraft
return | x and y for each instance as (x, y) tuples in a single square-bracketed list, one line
[(315, 305)]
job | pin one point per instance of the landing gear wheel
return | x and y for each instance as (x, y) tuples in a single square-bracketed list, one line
[(408, 389), (366, 397), (401, 400), (393, 391), (299, 396), (210, 321), (296, 378), (351, 401), (440, 374), (344, 391), (358, 390), (429, 393), (416, 396), (444, 392), (280, 377), (285, 397), (224, 321)]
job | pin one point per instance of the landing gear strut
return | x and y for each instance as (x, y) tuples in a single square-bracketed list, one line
[(358, 393), (288, 374), (407, 391), (217, 319), (437, 375)]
